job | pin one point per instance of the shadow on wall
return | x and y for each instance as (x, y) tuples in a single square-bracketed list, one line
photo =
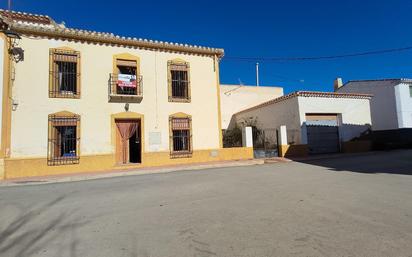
[(352, 132), (389, 162), (33, 231), (232, 123)]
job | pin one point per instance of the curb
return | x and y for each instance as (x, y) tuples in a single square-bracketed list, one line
[(113, 174)]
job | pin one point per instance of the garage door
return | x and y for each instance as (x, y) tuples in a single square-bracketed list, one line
[(322, 138)]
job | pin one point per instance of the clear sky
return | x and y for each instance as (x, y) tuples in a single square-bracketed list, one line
[(260, 29)]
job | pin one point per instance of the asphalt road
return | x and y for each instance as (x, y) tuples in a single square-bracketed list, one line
[(352, 206)]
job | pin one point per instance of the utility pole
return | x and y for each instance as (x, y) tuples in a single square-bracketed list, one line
[(257, 74)]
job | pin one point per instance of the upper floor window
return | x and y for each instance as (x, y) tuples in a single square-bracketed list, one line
[(180, 137), (125, 82), (126, 77), (64, 78), (64, 139), (410, 91), (179, 81)]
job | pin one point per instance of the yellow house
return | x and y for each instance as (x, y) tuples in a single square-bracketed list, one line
[(80, 101)]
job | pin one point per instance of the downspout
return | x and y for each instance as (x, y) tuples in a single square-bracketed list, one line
[(219, 113)]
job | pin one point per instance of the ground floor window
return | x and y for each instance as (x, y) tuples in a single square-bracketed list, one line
[(63, 140), (181, 137)]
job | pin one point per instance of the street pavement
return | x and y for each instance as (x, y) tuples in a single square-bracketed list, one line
[(349, 206)]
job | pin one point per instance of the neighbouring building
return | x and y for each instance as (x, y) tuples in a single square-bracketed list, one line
[(391, 105), (235, 98), (312, 122), (78, 101)]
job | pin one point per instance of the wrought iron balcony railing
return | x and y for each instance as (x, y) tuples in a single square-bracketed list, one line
[(125, 87)]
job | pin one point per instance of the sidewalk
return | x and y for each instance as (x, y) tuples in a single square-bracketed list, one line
[(116, 173)]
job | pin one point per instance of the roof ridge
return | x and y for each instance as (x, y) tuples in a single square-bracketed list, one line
[(400, 80), (24, 13), (384, 79)]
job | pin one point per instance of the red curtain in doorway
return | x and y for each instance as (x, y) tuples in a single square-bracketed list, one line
[(126, 130)]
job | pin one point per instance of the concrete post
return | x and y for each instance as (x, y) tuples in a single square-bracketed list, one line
[(283, 141), (247, 137)]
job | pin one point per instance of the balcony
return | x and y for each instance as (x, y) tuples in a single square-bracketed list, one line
[(124, 88)]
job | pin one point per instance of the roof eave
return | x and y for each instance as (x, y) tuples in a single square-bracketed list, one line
[(308, 94), (104, 39)]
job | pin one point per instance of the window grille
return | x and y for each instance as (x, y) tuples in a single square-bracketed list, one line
[(181, 137), (63, 140), (64, 73), (179, 82)]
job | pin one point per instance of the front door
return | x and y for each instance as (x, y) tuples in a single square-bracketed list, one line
[(128, 141), (134, 148)]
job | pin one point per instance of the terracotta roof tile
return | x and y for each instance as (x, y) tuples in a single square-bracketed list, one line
[(26, 17), (45, 26)]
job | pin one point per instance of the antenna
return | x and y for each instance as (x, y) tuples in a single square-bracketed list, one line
[(257, 74)]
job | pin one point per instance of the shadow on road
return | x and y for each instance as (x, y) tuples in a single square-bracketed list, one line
[(33, 231), (391, 162)]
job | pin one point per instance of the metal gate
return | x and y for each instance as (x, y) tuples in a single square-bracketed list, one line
[(323, 139), (265, 143)]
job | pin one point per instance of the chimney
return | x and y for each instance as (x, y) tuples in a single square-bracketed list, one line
[(337, 84)]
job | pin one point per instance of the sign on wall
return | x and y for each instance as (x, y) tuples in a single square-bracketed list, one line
[(126, 80)]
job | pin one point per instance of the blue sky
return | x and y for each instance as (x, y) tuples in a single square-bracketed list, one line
[(261, 29)]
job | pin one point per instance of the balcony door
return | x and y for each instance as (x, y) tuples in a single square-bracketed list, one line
[(126, 77)]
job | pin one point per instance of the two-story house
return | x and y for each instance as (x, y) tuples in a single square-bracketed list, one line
[(79, 101), (391, 104)]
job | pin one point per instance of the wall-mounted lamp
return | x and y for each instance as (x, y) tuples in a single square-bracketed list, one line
[(11, 34), (16, 52), (126, 107)]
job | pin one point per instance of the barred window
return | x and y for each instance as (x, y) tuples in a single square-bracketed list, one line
[(64, 73), (179, 81), (64, 140), (181, 137)]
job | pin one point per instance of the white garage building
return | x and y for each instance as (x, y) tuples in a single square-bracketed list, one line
[(312, 122)]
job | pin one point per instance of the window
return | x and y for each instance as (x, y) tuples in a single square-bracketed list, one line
[(126, 80), (64, 73), (180, 137), (179, 81), (64, 139), (410, 91)]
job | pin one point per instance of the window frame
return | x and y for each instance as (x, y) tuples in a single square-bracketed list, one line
[(52, 71), (122, 59), (64, 119), (180, 154), (119, 61), (178, 62)]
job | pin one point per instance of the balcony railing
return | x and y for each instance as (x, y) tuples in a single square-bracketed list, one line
[(125, 88)]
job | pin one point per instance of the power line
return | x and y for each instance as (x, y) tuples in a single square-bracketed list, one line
[(316, 58)]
